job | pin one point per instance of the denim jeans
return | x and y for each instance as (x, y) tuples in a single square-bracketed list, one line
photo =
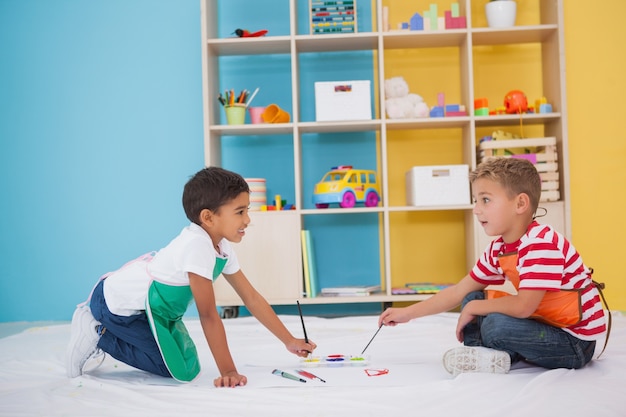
[(127, 339), (526, 339)]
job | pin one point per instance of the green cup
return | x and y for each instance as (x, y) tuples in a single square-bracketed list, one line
[(235, 114)]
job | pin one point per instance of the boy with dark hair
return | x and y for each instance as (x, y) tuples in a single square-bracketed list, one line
[(135, 313), (556, 315)]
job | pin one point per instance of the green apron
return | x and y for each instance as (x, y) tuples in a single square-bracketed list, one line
[(165, 307)]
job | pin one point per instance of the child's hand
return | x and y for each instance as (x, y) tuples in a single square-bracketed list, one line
[(465, 318), (231, 379), (393, 316), (300, 347)]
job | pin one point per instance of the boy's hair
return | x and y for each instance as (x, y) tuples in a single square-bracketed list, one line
[(211, 188), (516, 175)]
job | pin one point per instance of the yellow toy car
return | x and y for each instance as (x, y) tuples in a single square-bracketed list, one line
[(347, 186)]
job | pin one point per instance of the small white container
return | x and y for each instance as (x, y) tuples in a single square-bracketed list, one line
[(501, 13), (438, 185)]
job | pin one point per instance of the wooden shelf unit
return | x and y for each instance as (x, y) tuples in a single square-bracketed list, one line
[(281, 280)]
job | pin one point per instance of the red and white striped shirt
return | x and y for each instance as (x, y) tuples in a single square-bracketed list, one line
[(547, 261)]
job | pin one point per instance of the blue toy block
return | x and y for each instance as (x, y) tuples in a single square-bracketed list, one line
[(545, 108), (405, 25), (437, 111), (453, 107), (417, 22)]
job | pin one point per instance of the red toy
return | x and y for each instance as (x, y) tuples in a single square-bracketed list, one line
[(515, 102), (242, 33)]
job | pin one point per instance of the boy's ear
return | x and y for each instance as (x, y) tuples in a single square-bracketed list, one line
[(522, 203), (206, 217)]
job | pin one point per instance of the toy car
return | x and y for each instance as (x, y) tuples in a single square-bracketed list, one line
[(347, 186)]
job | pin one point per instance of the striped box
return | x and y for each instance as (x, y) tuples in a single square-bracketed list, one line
[(258, 193)]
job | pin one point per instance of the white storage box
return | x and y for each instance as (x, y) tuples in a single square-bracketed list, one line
[(438, 185), (343, 100)]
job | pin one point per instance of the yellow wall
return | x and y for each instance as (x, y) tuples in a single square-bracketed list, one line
[(595, 60), (595, 71)]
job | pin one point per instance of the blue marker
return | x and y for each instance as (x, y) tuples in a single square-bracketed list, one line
[(286, 375)]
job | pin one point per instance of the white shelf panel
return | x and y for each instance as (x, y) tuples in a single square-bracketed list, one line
[(428, 123), (518, 34), (514, 119), (348, 126), (250, 129), (405, 39), (339, 42), (263, 45), (430, 208)]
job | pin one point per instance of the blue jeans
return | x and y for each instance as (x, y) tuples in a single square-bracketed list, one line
[(527, 339), (127, 339)]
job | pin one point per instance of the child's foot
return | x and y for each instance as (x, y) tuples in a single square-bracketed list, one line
[(83, 343), (476, 359)]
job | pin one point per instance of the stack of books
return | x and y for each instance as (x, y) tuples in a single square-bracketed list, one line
[(419, 288), (350, 291)]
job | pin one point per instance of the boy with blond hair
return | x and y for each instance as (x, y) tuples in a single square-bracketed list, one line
[(555, 317)]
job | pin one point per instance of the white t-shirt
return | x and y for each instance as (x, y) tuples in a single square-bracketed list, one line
[(125, 290)]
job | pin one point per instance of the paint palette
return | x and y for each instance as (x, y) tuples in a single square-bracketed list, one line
[(335, 360)]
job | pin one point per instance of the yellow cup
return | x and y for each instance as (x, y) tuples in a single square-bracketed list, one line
[(235, 114), (274, 114)]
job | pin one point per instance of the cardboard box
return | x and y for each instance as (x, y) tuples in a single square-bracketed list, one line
[(438, 185), (343, 100)]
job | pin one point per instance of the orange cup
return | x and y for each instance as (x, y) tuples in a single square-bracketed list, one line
[(274, 114)]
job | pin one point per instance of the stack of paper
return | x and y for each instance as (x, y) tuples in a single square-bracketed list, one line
[(350, 291)]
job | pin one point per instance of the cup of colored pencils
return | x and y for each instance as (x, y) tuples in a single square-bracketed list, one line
[(235, 105)]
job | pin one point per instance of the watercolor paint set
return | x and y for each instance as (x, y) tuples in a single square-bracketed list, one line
[(335, 360)]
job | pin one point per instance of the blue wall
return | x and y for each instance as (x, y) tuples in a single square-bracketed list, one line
[(101, 126)]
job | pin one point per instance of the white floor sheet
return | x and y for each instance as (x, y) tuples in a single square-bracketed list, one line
[(33, 380)]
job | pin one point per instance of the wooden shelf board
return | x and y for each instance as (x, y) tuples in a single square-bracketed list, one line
[(518, 34), (265, 45)]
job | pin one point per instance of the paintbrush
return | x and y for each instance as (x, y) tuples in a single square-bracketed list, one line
[(306, 338), (368, 343)]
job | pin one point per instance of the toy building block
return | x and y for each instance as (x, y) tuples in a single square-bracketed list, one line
[(437, 111), (417, 22), (454, 10), (449, 23), (545, 108), (404, 26), (540, 101), (427, 21), (481, 107), (434, 17)]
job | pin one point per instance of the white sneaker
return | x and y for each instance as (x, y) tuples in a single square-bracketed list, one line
[(83, 343), (476, 359)]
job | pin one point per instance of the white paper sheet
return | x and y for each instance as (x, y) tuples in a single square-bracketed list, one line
[(33, 380)]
